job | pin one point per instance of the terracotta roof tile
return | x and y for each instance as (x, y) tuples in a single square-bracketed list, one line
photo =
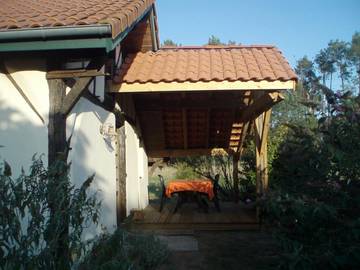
[(120, 14), (207, 63)]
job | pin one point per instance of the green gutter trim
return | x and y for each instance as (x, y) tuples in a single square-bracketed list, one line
[(56, 45), (58, 33)]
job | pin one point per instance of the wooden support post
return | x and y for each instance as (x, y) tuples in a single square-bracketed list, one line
[(261, 124), (60, 104), (261, 133), (121, 176), (57, 150), (57, 121)]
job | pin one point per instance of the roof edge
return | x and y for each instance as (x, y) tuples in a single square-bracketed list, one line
[(56, 33), (194, 47)]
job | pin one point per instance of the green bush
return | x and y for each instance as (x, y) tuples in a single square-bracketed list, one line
[(123, 251), (34, 211), (313, 234)]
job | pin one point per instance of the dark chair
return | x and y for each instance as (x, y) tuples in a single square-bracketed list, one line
[(216, 190), (163, 196)]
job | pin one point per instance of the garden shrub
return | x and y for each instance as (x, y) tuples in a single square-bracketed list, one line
[(313, 234), (123, 251), (29, 231)]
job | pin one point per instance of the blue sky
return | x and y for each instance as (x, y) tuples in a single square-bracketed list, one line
[(298, 28)]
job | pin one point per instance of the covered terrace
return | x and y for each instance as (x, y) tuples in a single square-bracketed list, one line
[(190, 101)]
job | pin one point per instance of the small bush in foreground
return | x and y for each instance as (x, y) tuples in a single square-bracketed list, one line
[(30, 231), (314, 234), (123, 251)]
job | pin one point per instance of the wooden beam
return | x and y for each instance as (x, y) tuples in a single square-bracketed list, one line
[(260, 105), (74, 95), (244, 131), (57, 151), (261, 124), (150, 104), (57, 121), (186, 152), (75, 73), (81, 82), (121, 176), (265, 129), (202, 86)]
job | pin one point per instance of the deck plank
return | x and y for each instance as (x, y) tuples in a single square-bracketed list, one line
[(232, 215)]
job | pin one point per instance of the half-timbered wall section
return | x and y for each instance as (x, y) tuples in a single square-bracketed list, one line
[(24, 116)]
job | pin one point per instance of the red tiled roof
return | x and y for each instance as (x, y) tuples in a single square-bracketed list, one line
[(120, 14), (207, 63)]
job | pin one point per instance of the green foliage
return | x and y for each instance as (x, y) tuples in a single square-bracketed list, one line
[(314, 151), (213, 40), (208, 166), (355, 56), (313, 234), (123, 250), (30, 231), (169, 43), (184, 171)]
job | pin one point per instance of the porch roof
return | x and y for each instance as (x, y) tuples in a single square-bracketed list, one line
[(205, 68), (194, 100)]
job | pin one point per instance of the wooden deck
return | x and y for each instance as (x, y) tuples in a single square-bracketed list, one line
[(190, 217)]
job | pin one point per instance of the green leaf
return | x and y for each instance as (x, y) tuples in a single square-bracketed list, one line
[(7, 169)]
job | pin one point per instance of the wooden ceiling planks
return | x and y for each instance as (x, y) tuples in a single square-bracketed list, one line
[(181, 123)]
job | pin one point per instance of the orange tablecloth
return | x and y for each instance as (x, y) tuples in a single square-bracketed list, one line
[(198, 185)]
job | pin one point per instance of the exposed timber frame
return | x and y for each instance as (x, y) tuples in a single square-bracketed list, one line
[(261, 128), (60, 104), (237, 154), (120, 175)]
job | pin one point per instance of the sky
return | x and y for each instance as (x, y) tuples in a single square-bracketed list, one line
[(297, 28)]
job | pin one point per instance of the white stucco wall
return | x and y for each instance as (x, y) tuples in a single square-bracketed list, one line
[(22, 134), (136, 171), (92, 153)]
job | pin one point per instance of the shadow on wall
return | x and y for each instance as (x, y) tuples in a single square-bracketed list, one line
[(21, 137), (92, 153)]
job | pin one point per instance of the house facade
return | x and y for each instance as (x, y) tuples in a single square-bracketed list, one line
[(89, 77), (43, 45)]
